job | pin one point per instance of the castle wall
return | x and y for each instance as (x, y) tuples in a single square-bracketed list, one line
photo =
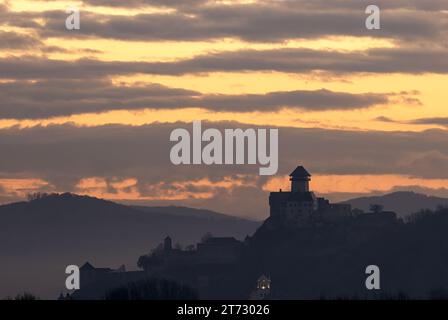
[(277, 203)]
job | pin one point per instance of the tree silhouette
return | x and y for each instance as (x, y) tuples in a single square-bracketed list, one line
[(152, 289), (26, 296), (376, 208)]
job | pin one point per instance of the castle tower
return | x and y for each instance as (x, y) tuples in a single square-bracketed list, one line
[(300, 179), (167, 244)]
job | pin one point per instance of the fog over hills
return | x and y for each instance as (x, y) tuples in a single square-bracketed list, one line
[(39, 238)]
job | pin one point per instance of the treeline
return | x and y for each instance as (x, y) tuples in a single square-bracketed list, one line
[(152, 289), (26, 296)]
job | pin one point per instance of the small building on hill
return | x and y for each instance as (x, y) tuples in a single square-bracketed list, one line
[(300, 206), (263, 289)]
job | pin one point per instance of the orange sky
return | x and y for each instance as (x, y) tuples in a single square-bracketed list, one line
[(427, 92)]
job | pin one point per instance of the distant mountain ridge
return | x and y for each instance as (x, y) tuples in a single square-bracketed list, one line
[(402, 202), (188, 212), (39, 238)]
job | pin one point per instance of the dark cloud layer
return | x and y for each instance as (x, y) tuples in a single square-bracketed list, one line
[(431, 121), (22, 41), (42, 99), (305, 4), (12, 40), (142, 3), (437, 121), (105, 150), (299, 61), (403, 60), (259, 23), (267, 21), (65, 154), (427, 5)]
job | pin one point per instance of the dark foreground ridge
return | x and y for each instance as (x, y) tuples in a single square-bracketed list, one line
[(39, 238), (308, 248)]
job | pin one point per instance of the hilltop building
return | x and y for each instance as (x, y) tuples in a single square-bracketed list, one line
[(96, 282), (213, 250), (219, 249), (263, 289), (213, 262), (90, 274), (301, 206)]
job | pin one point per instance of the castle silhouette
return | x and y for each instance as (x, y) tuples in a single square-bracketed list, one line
[(300, 206), (296, 210)]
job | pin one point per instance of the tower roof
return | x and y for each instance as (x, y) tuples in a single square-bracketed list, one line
[(87, 266), (300, 172)]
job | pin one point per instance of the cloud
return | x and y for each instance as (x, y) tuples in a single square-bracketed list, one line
[(295, 61), (64, 155), (430, 163), (262, 21), (384, 119), (20, 19), (143, 3), (22, 41), (436, 121), (402, 60), (429, 5), (441, 121), (106, 150), (49, 98), (272, 21), (23, 99), (13, 40), (306, 100)]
